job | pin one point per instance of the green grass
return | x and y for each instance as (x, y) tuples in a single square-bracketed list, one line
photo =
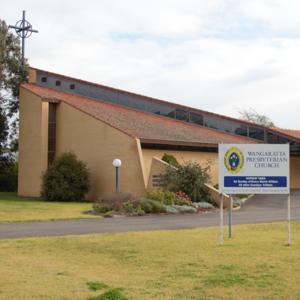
[(182, 264), (21, 209)]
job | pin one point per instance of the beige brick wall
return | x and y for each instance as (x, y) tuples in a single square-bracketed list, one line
[(157, 168), (33, 143), (98, 144), (201, 157)]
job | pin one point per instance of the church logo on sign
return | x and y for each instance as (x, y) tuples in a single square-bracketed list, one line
[(234, 160)]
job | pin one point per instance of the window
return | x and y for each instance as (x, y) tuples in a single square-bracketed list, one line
[(257, 133), (182, 115), (196, 118), (44, 79), (242, 130), (51, 132), (58, 83), (160, 109), (72, 86), (282, 140), (272, 138)]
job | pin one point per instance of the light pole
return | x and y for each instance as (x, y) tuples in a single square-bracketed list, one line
[(117, 164)]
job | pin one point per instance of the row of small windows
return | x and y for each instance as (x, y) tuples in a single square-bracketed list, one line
[(205, 120), (58, 83)]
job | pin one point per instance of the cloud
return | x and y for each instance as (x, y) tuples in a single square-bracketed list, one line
[(215, 55)]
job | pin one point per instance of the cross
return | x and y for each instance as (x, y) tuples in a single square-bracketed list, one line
[(24, 30)]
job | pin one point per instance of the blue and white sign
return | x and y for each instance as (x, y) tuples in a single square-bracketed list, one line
[(254, 168)]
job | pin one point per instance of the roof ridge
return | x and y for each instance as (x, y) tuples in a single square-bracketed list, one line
[(291, 129)]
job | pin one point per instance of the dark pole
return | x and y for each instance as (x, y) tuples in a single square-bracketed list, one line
[(23, 37), (230, 218), (117, 178)]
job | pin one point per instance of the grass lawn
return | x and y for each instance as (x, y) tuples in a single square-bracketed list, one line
[(20, 209), (183, 264)]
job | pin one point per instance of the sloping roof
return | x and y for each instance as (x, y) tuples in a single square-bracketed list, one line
[(284, 133), (291, 132), (143, 125), (155, 100)]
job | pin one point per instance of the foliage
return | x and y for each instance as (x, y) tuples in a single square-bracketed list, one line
[(3, 131), (108, 214), (205, 205), (12, 74), (126, 203), (175, 209), (152, 206), (133, 208), (67, 179), (141, 206), (8, 175), (112, 202), (165, 197), (101, 208), (170, 159), (253, 116), (189, 178), (183, 199)]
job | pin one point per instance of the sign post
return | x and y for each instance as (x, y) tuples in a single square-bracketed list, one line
[(221, 220), (289, 240), (254, 169)]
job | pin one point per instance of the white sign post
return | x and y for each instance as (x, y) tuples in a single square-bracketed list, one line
[(254, 169)]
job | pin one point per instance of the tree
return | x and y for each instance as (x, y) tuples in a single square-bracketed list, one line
[(3, 131), (253, 116), (12, 74)]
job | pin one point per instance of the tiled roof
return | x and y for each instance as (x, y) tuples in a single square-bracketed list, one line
[(155, 100), (291, 132), (146, 126)]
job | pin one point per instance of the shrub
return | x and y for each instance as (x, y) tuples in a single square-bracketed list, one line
[(108, 214), (165, 197), (112, 201), (66, 179), (152, 206), (183, 199), (170, 159), (185, 208), (173, 209), (205, 205), (189, 178), (101, 208), (133, 208)]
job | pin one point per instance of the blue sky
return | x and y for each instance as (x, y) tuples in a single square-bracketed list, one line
[(221, 56)]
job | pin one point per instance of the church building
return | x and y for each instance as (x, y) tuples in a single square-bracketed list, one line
[(98, 123)]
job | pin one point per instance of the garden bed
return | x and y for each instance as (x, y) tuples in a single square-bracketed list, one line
[(159, 202)]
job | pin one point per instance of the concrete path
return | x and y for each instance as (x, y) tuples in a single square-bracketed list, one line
[(259, 209)]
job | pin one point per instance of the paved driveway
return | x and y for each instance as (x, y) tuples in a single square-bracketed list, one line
[(259, 209)]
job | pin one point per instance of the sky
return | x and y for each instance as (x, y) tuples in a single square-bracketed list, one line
[(220, 56)]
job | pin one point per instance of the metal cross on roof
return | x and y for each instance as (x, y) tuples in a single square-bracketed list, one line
[(24, 30)]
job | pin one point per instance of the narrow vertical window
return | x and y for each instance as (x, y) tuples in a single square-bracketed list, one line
[(51, 132)]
